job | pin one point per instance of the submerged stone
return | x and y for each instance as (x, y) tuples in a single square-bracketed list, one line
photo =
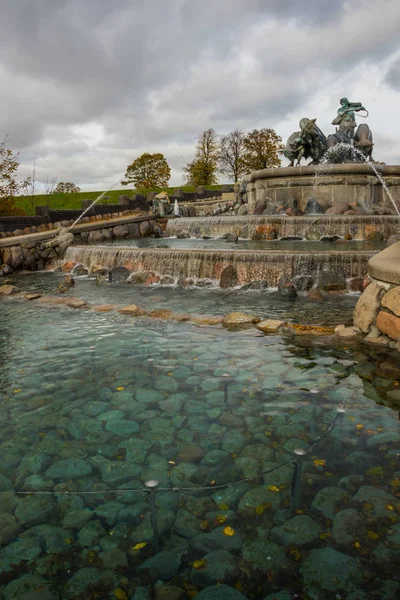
[(86, 577), (30, 587), (69, 468), (346, 525), (219, 565), (329, 499), (298, 531), (216, 539), (32, 510), (220, 592), (239, 318), (264, 554), (163, 565), (378, 499), (327, 570)]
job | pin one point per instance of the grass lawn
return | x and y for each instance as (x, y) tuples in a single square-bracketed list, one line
[(69, 201)]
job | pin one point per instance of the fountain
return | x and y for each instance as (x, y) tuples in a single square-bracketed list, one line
[(145, 456), (345, 201)]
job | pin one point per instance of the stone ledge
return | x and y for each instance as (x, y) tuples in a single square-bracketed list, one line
[(326, 170), (385, 266)]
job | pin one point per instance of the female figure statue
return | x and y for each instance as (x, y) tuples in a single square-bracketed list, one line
[(346, 119)]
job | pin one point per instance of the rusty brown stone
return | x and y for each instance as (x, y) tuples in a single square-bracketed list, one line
[(391, 300), (389, 325), (161, 313), (6, 290), (266, 232), (77, 304), (315, 295), (131, 309), (68, 266), (105, 307), (371, 232)]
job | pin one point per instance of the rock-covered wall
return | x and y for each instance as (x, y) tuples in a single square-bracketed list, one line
[(31, 255), (377, 315)]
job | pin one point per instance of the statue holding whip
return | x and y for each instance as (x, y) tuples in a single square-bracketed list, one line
[(346, 119)]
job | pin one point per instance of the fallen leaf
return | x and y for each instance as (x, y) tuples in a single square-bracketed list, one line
[(139, 546), (223, 507), (357, 545), (220, 519), (199, 564), (273, 488), (229, 531), (120, 594), (120, 388), (372, 535), (318, 462), (17, 391), (359, 426)]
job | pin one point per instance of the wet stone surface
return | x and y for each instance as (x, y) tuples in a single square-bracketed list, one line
[(87, 424)]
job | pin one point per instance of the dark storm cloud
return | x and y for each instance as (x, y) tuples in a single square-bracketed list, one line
[(155, 73)]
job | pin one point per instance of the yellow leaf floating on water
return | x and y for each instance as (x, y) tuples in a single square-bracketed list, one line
[(357, 545), (17, 391), (221, 519), (318, 462), (229, 531), (68, 541), (199, 564), (389, 507), (359, 426), (223, 506), (120, 388), (139, 546), (120, 594), (273, 488), (372, 535)]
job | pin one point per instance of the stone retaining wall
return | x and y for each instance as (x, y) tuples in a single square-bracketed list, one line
[(30, 254), (15, 226), (377, 313)]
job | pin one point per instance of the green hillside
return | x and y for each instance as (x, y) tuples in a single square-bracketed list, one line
[(69, 201)]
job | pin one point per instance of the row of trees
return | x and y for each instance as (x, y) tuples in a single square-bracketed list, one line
[(234, 155)]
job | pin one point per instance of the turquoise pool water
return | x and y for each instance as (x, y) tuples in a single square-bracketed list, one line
[(93, 406), (210, 301)]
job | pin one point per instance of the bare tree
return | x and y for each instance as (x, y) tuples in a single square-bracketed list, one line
[(232, 152), (31, 188), (49, 185)]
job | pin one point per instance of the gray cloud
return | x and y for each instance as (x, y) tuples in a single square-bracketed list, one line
[(151, 75)]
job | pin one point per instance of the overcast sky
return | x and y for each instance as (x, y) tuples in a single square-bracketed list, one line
[(89, 85)]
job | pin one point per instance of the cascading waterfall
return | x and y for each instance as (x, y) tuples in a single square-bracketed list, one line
[(310, 227), (209, 264)]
